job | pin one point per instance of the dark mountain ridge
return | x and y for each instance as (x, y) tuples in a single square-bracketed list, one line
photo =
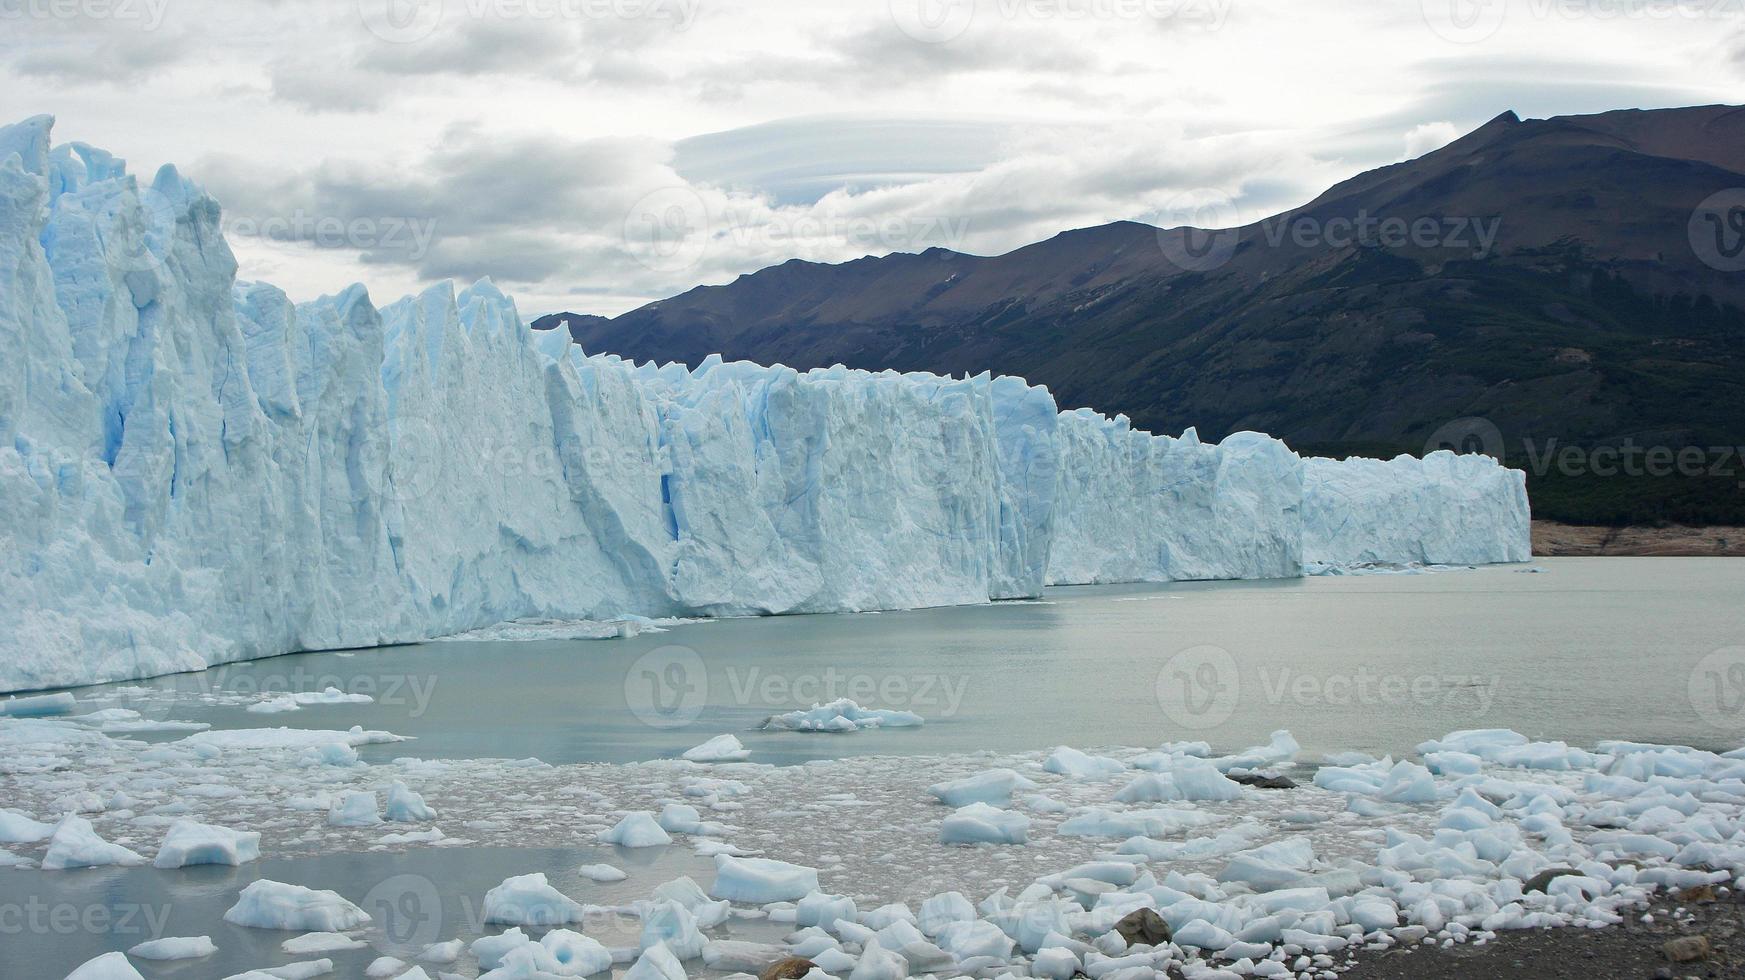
[(1551, 277)]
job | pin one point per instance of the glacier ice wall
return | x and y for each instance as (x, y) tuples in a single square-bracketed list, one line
[(195, 470), (1134, 507), (1442, 509)]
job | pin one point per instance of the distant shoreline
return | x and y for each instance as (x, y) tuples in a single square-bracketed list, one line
[(1552, 539)]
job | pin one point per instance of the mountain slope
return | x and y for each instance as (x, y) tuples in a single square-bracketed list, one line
[(1589, 318)]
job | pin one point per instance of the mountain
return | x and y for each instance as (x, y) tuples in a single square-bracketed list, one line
[(1554, 277)]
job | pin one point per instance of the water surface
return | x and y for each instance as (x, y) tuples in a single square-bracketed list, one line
[(1583, 650)]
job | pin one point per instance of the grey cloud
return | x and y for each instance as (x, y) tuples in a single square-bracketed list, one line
[(482, 46), (888, 55), (323, 86), (120, 57)]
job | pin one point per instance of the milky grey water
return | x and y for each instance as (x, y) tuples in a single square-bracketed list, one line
[(1646, 649), (1585, 649)]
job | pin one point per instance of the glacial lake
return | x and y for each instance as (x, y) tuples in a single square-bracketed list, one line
[(1581, 649)]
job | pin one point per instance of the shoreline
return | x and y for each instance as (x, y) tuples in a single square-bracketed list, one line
[(1552, 539), (1632, 948)]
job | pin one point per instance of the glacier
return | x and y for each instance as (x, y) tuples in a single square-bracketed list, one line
[(1443, 509), (195, 469)]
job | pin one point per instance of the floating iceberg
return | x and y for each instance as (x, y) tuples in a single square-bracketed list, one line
[(979, 823), (761, 880), (195, 470), (190, 842), (267, 904), (640, 829), (75, 844), (529, 900), (721, 748), (842, 715), (175, 948)]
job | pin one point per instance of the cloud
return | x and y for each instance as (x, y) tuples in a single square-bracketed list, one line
[(122, 57), (1423, 138), (546, 211)]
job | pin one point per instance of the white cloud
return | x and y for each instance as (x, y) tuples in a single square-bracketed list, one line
[(528, 135), (1423, 138)]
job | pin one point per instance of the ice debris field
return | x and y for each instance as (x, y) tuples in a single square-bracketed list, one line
[(195, 470), (1115, 863)]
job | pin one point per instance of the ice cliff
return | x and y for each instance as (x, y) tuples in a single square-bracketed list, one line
[(196, 470), (1442, 509)]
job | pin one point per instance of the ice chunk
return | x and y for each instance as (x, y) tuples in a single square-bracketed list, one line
[(942, 910), (823, 911), (405, 806), (190, 842), (639, 829), (976, 937), (682, 818), (721, 748), (1281, 750), (353, 808), (575, 955), (979, 823), (75, 844), (1270, 866), (529, 900), (878, 963), (601, 872), (267, 904), (18, 828), (670, 924), (761, 880), (109, 966), (1068, 761), (266, 739), (321, 942), (691, 896), (736, 956), (174, 948), (38, 706), (994, 787), (656, 963), (1055, 963), (842, 715), (1187, 779)]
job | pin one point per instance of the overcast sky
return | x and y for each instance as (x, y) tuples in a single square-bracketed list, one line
[(592, 155)]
